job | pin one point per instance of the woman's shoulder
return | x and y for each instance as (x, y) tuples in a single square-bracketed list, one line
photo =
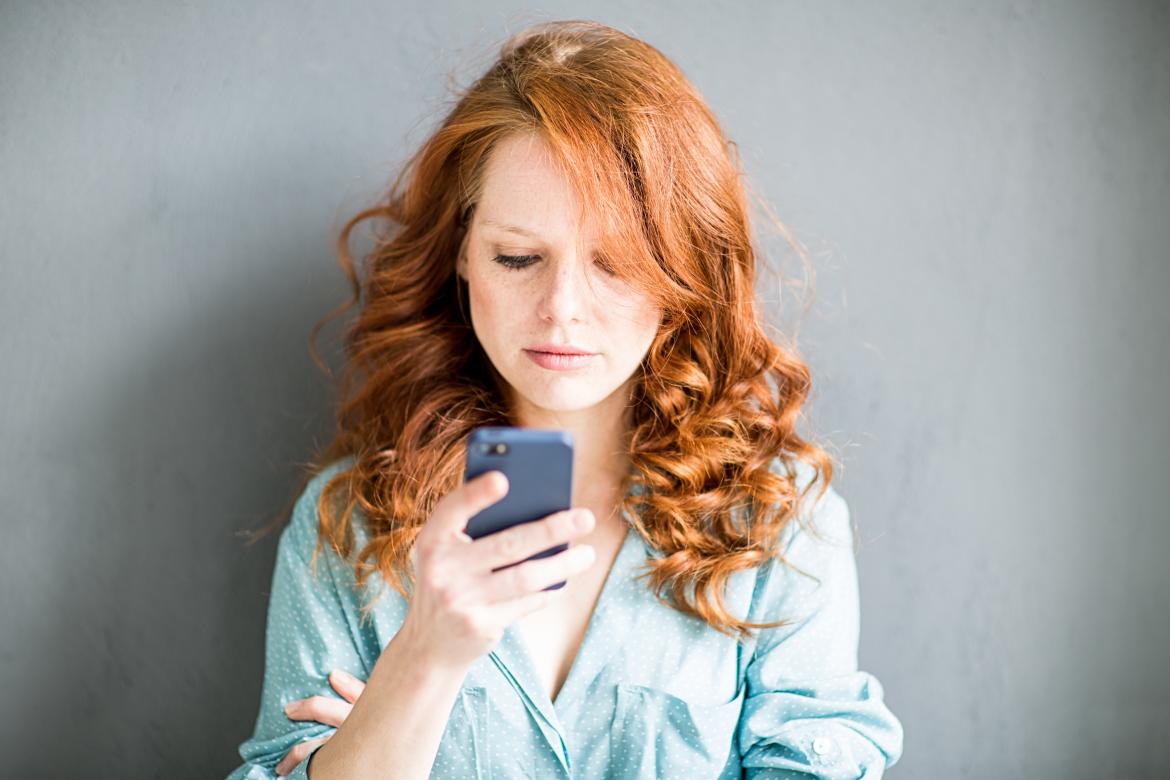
[(823, 516), (816, 562), (305, 523)]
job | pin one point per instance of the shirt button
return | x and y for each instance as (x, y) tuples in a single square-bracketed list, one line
[(822, 745)]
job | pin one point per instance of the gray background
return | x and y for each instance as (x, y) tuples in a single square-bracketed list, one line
[(985, 191)]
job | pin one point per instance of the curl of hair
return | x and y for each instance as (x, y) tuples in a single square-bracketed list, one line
[(717, 400)]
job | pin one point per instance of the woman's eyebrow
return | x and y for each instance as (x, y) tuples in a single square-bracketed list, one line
[(517, 229), (511, 228)]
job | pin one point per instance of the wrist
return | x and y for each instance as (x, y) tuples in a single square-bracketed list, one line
[(407, 655)]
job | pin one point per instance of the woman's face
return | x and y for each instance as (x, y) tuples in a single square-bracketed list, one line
[(559, 298)]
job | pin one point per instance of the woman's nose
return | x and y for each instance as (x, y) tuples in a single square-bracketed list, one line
[(564, 292)]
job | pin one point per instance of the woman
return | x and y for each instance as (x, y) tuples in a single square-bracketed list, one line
[(580, 197)]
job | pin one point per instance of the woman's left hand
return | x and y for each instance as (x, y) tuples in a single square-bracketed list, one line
[(323, 709)]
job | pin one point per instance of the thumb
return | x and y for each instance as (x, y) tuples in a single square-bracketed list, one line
[(467, 500)]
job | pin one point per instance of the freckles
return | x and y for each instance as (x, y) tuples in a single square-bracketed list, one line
[(497, 301), (633, 307)]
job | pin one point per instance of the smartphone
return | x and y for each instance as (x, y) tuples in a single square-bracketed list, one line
[(539, 467)]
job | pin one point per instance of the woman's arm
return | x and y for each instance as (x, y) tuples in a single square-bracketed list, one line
[(308, 636), (460, 608), (396, 725), (809, 710)]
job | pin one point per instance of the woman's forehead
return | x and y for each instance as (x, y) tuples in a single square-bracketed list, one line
[(525, 192), (518, 176)]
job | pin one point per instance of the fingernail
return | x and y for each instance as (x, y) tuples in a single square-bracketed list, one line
[(290, 708), (581, 519)]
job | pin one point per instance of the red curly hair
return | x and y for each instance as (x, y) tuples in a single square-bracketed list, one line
[(716, 401)]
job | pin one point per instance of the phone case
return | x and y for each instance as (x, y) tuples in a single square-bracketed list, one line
[(539, 467)]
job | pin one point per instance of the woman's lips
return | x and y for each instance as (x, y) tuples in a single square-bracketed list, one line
[(558, 362)]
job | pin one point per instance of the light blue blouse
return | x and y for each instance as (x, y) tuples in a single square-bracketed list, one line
[(651, 692)]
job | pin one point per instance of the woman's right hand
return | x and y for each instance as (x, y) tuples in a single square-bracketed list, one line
[(459, 607)]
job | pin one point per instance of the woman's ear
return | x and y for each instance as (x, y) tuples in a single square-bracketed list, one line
[(461, 257), (461, 264)]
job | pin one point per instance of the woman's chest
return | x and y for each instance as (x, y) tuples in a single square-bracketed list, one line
[(553, 635), (650, 691), (643, 691)]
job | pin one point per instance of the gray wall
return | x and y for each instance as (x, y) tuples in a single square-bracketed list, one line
[(986, 194)]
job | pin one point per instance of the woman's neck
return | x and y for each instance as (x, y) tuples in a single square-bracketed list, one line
[(600, 441)]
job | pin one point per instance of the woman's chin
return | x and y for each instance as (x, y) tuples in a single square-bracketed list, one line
[(562, 399)]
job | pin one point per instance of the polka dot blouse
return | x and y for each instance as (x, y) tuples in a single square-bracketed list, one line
[(651, 693)]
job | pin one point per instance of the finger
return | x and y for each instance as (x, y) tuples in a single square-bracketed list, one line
[(525, 540), (512, 610), (535, 575), (323, 709), (297, 755), (451, 514), (347, 685)]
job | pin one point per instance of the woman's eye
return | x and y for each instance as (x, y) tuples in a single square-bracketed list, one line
[(523, 261), (516, 261)]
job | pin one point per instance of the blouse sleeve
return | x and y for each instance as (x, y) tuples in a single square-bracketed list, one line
[(809, 710), (308, 636)]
